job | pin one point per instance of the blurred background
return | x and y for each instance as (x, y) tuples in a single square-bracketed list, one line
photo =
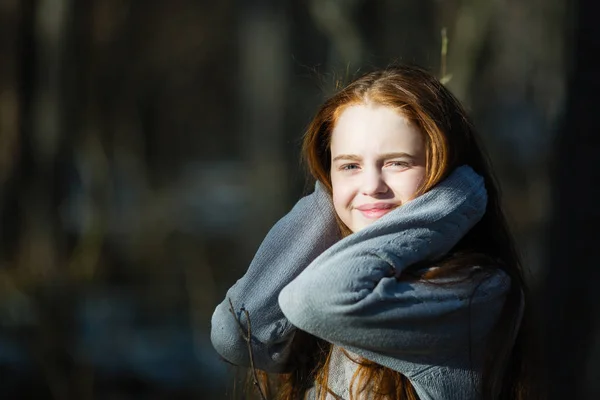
[(146, 147)]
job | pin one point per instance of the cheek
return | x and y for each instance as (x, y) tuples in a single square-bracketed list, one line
[(340, 198), (342, 194), (408, 185)]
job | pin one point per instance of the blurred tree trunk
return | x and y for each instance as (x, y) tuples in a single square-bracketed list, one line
[(32, 118), (45, 127), (264, 74), (336, 19), (572, 299), (407, 32), (469, 28), (12, 26)]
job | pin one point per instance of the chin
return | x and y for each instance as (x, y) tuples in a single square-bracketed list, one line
[(359, 226)]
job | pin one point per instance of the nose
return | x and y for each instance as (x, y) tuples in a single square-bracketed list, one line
[(374, 183)]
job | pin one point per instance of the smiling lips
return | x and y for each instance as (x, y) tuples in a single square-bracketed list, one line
[(375, 210)]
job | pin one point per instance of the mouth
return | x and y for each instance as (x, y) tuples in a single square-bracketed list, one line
[(376, 210)]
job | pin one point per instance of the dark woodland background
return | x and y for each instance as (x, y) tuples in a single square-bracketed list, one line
[(146, 147)]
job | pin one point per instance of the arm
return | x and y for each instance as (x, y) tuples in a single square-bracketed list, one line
[(350, 295), (292, 244)]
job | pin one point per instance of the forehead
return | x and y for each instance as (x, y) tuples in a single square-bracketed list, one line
[(367, 127)]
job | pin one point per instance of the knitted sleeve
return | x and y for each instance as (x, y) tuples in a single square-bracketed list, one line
[(291, 245), (351, 295)]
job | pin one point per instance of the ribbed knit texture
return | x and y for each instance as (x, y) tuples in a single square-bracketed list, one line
[(347, 292)]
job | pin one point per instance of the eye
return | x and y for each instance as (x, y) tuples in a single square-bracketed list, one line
[(348, 167), (401, 164)]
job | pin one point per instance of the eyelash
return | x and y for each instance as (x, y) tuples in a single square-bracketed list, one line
[(346, 167), (400, 163), (350, 167)]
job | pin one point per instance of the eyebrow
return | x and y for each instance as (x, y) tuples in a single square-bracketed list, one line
[(386, 156)]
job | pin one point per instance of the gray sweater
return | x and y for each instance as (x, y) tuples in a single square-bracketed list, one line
[(347, 293)]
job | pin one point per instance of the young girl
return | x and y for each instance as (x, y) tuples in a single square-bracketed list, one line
[(397, 277)]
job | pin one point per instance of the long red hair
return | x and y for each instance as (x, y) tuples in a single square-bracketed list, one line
[(450, 141)]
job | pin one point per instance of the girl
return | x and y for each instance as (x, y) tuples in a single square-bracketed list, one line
[(397, 277)]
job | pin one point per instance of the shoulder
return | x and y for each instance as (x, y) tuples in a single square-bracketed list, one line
[(488, 278), (476, 284)]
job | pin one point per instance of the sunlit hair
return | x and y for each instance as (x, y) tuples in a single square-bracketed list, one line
[(450, 141)]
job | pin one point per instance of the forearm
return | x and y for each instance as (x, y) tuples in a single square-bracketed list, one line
[(292, 244)]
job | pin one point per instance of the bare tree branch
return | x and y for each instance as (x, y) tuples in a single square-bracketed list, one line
[(248, 338), (444, 76)]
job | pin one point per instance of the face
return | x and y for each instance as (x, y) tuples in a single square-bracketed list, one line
[(377, 163)]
